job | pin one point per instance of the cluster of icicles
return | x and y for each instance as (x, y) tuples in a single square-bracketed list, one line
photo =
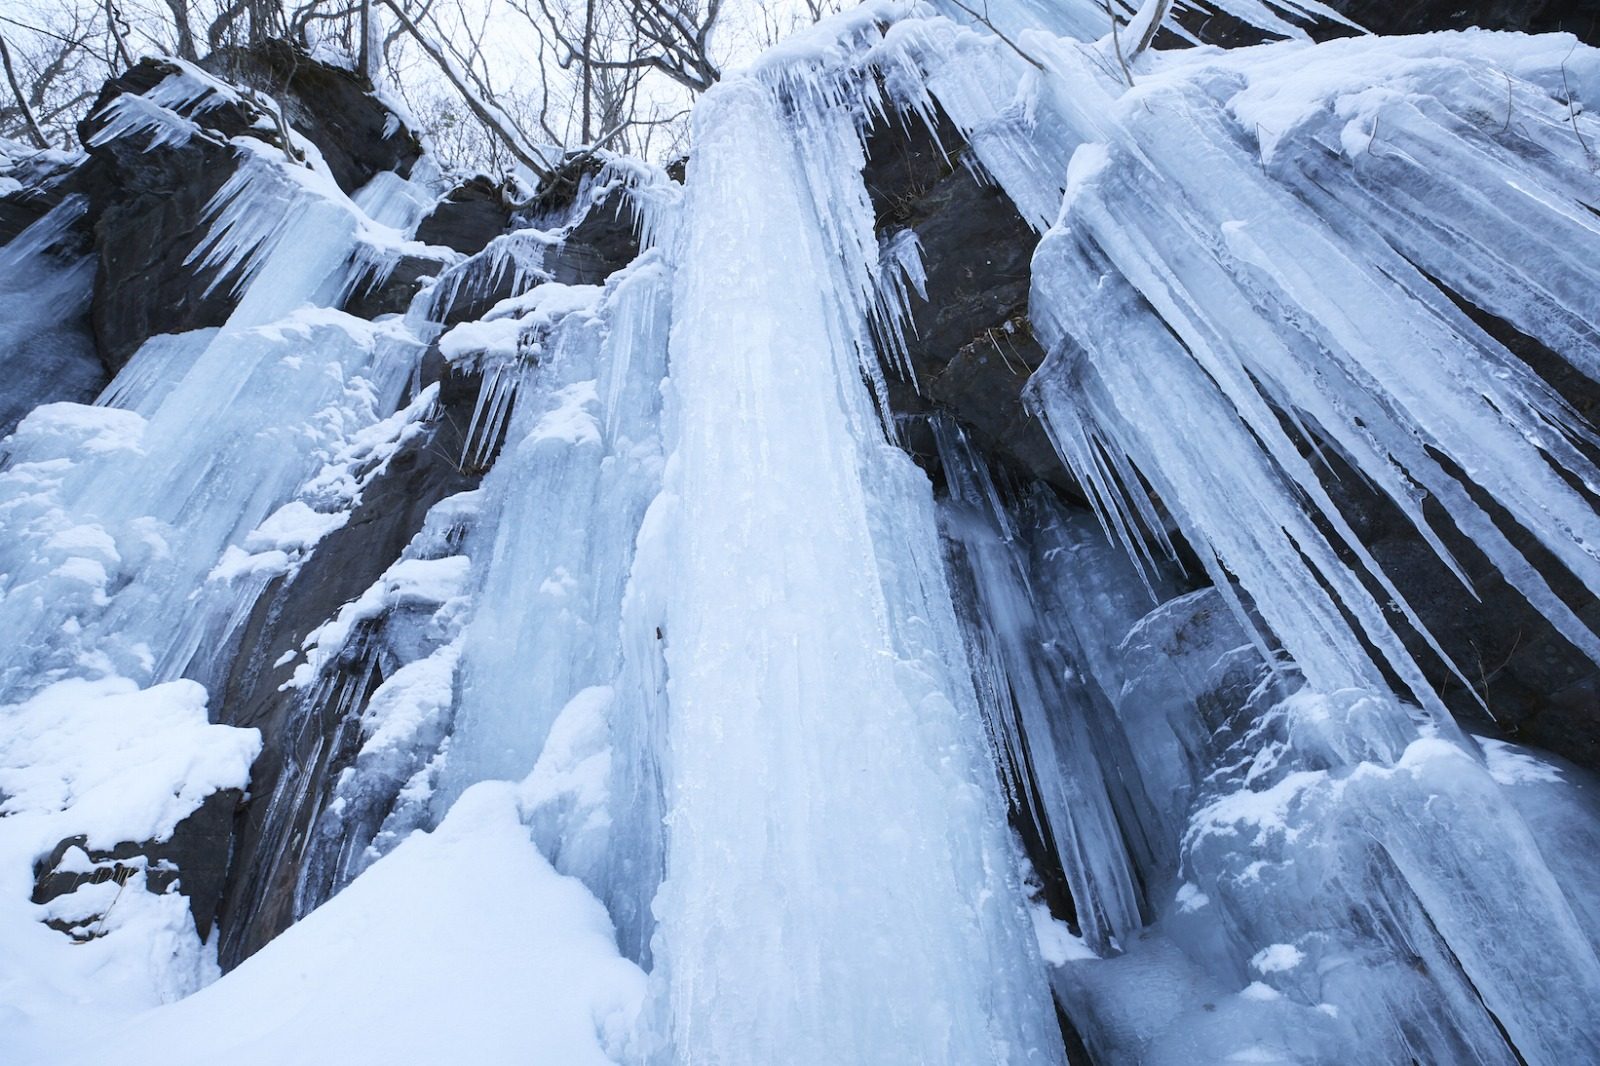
[(755, 678)]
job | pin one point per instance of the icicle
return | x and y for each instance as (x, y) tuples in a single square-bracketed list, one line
[(828, 802), (1035, 702)]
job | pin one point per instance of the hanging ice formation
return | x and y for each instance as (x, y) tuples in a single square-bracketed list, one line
[(860, 766)]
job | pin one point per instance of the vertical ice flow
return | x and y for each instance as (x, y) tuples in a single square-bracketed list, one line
[(828, 802)]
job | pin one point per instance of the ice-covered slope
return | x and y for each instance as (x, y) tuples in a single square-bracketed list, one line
[(624, 691)]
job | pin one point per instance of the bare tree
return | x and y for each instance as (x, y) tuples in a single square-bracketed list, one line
[(182, 29), (671, 36), (485, 111), (29, 118)]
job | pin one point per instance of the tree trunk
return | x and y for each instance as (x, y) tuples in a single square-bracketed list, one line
[(367, 62), (28, 117), (588, 70), (180, 22)]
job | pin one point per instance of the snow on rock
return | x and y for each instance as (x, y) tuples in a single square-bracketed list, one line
[(461, 945), (122, 763), (113, 763)]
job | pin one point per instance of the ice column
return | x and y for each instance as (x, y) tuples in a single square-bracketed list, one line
[(840, 880)]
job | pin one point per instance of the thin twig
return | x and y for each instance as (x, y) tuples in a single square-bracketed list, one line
[(1116, 45), (1572, 112), (984, 19), (28, 117)]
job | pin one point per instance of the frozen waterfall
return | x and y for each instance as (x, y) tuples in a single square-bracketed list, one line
[(689, 720)]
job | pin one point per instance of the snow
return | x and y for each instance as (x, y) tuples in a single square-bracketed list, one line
[(115, 761), (1511, 766), (434, 948), (1276, 958), (111, 762), (705, 730)]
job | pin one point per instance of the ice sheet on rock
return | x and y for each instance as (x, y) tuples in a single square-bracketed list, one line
[(324, 503), (1190, 252), (1330, 832), (514, 261), (1181, 231), (159, 364), (566, 500), (166, 113), (46, 353), (1039, 707), (827, 794)]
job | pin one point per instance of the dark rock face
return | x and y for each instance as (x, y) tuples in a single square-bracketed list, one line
[(301, 740), (148, 203), (604, 241), (969, 342), (473, 214), (1523, 681), (333, 108), (194, 859), (394, 294), (1581, 17), (147, 208), (1393, 17)]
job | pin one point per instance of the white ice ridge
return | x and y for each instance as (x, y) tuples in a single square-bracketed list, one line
[(828, 802)]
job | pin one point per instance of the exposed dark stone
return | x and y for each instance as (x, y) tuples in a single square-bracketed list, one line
[(259, 900), (473, 214), (148, 204), (394, 295), (1395, 17), (195, 857), (1581, 17), (333, 108), (604, 241), (969, 342)]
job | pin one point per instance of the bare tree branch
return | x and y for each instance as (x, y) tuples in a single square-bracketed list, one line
[(28, 117), (492, 118), (114, 25)]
